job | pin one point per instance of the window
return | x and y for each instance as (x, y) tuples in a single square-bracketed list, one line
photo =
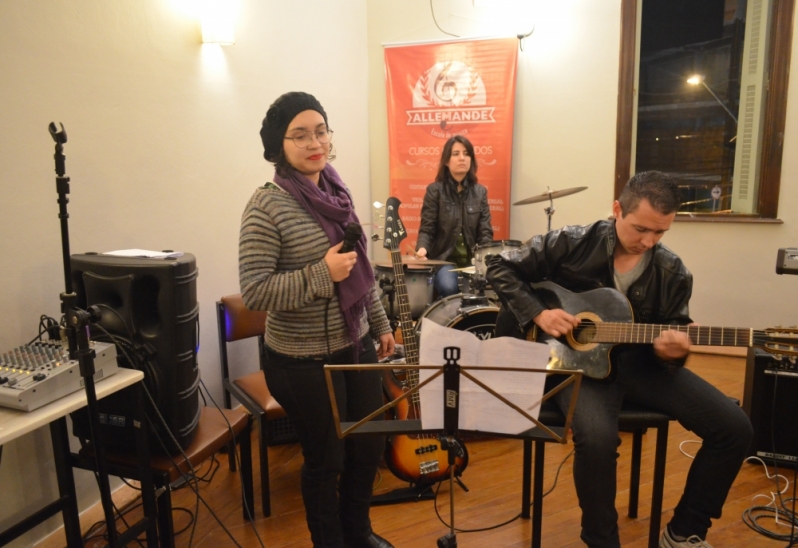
[(740, 52)]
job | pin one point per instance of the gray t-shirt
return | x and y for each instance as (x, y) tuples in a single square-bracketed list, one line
[(625, 280)]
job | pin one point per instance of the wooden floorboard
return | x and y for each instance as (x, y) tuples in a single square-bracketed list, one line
[(493, 477)]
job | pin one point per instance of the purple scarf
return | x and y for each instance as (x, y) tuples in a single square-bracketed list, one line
[(331, 205)]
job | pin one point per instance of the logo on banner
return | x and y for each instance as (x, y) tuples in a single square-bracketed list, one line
[(450, 92)]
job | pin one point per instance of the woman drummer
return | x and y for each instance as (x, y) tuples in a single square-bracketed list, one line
[(455, 216)]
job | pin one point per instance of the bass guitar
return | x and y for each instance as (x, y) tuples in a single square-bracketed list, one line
[(607, 320), (418, 458)]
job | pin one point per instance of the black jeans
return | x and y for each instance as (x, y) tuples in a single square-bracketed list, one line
[(337, 475), (697, 405)]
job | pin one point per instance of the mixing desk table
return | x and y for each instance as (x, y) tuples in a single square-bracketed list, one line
[(14, 424)]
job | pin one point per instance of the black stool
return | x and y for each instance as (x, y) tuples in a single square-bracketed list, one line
[(633, 418)]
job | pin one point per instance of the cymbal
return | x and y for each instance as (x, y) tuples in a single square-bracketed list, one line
[(550, 195), (413, 262), (466, 270)]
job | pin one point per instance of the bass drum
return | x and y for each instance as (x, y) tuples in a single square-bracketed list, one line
[(465, 313)]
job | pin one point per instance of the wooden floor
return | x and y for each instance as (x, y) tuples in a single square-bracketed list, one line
[(493, 477)]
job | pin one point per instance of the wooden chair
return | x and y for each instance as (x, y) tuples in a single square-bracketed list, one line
[(237, 322), (633, 418), (216, 429)]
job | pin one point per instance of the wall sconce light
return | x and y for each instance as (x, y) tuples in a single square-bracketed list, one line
[(218, 19), (698, 79)]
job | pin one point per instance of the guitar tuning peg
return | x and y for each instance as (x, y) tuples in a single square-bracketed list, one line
[(375, 238), (378, 205)]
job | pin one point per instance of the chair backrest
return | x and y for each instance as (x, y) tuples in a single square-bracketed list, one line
[(239, 321), (236, 322)]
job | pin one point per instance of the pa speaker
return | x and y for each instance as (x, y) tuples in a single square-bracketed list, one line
[(148, 307), (771, 390)]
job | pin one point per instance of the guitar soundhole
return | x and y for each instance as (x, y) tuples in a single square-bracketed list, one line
[(584, 336), (585, 333)]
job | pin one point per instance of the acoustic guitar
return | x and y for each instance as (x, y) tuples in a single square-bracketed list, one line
[(607, 320), (418, 458)]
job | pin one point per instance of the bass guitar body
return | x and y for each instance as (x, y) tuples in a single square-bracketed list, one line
[(416, 459)]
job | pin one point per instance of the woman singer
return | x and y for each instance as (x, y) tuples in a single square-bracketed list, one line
[(323, 308)]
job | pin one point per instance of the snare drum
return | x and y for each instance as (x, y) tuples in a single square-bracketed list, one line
[(493, 248), (418, 280), (464, 313)]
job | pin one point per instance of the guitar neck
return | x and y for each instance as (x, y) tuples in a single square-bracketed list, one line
[(699, 335), (405, 319)]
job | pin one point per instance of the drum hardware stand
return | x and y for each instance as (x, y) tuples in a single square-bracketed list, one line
[(389, 289), (77, 333), (478, 285), (549, 210)]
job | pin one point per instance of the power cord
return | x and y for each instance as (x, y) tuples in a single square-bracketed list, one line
[(47, 325), (189, 479), (753, 515), (432, 10), (502, 524)]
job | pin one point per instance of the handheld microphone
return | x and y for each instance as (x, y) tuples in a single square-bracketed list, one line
[(353, 233)]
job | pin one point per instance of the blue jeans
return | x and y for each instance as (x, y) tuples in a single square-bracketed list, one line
[(337, 475), (697, 405), (445, 282)]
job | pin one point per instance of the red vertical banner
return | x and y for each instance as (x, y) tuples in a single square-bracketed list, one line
[(436, 91)]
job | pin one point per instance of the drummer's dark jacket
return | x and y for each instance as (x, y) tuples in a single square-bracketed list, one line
[(445, 212), (580, 258)]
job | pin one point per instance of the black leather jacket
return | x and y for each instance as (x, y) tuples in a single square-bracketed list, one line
[(445, 213), (580, 258)]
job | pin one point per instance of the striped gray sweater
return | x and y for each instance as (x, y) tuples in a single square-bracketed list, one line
[(282, 270)]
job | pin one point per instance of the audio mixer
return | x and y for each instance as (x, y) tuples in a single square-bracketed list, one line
[(36, 374)]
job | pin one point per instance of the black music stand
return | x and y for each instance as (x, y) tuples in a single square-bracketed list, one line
[(450, 441)]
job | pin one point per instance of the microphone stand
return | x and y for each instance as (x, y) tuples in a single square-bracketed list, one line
[(77, 332)]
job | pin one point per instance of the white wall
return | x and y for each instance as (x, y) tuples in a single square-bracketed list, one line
[(566, 105), (163, 151)]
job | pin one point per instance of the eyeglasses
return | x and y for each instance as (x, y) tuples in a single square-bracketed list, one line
[(304, 139)]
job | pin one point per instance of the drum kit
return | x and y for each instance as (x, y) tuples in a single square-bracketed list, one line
[(476, 308)]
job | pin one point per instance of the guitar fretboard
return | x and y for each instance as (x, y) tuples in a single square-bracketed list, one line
[(609, 332), (405, 320)]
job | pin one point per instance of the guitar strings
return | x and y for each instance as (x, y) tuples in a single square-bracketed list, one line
[(613, 332)]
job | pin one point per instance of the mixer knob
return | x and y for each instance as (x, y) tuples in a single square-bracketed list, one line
[(39, 377)]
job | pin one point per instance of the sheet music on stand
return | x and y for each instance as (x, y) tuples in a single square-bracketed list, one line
[(479, 409), (507, 364)]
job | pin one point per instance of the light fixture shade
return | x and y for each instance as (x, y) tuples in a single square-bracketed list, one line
[(218, 22)]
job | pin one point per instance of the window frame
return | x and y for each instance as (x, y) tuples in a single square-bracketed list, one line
[(779, 56)]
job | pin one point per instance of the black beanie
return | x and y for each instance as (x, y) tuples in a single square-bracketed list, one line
[(279, 115)]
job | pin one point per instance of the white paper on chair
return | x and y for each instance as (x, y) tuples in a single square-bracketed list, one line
[(479, 409)]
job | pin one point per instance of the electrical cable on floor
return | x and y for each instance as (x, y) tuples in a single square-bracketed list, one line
[(496, 526), (685, 453), (753, 515)]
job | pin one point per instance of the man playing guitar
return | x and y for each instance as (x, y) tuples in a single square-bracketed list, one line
[(625, 253)]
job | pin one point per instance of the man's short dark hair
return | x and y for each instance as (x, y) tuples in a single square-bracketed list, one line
[(660, 189)]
